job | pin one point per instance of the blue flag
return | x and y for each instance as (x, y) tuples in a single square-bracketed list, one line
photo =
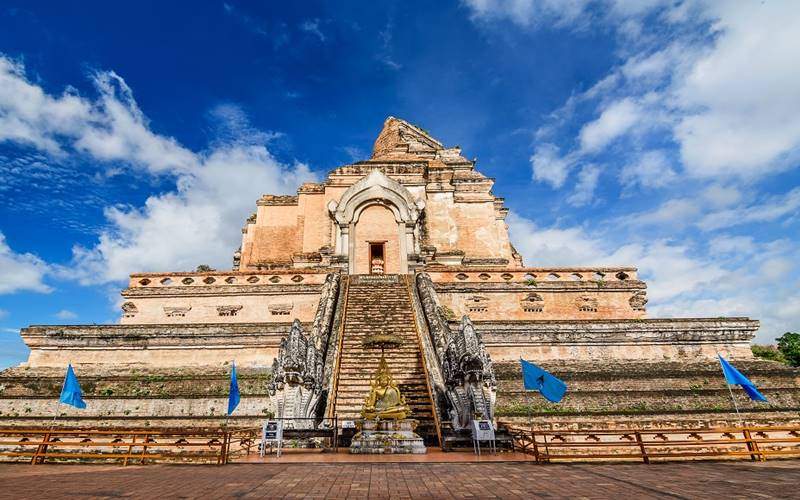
[(71, 390), (735, 377), (536, 379), (233, 394)]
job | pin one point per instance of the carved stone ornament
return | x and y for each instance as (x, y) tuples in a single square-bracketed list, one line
[(297, 373), (586, 303), (280, 309), (638, 301), (177, 312), (477, 304), (229, 310), (533, 302), (129, 309), (466, 368)]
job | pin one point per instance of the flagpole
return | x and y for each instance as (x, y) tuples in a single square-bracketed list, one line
[(58, 403), (227, 415), (55, 415), (730, 391)]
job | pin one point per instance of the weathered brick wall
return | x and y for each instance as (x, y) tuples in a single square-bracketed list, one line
[(603, 395), (154, 346), (135, 398)]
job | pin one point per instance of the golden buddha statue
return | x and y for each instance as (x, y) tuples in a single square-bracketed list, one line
[(384, 401)]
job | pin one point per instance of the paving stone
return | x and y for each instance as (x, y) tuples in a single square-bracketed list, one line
[(778, 479)]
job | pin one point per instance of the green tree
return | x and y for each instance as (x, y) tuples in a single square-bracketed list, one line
[(204, 268), (769, 352), (789, 345)]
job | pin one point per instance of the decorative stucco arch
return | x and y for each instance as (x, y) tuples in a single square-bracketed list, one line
[(377, 189)]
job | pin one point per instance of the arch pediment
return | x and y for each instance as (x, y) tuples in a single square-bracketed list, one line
[(376, 188)]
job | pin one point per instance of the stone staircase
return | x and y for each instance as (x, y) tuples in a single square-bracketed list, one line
[(381, 303)]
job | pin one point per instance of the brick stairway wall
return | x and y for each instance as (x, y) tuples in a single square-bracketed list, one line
[(377, 304)]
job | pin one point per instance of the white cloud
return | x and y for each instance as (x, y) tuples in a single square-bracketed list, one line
[(576, 13), (741, 245), (584, 189), (776, 268), (549, 166), (197, 223), (28, 115), (718, 79), (722, 196), (119, 131), (66, 314), (200, 223), (3, 313), (773, 208), (740, 105), (312, 26), (110, 128), (554, 246), (21, 271), (671, 214), (670, 268), (650, 169), (615, 120)]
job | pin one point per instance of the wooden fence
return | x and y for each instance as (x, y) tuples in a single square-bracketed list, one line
[(125, 446), (754, 443)]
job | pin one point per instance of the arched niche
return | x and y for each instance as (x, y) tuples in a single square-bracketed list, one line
[(376, 189)]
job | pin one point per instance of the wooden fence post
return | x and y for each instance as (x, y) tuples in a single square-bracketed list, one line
[(752, 446), (144, 448), (645, 458), (41, 450)]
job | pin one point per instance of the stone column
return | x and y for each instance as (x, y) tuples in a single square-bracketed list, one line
[(401, 240), (349, 243)]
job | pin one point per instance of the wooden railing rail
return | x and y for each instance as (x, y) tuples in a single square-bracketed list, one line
[(753, 442), (140, 446)]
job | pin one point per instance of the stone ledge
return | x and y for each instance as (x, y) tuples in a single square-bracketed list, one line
[(565, 286), (670, 329), (186, 336), (221, 291)]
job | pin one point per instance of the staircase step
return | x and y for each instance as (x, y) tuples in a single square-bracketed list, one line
[(381, 305)]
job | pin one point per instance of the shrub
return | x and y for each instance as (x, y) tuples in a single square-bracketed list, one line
[(789, 346), (769, 352)]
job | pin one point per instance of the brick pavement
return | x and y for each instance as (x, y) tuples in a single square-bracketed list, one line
[(778, 479)]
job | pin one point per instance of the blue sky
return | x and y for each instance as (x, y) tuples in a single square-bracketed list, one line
[(661, 134)]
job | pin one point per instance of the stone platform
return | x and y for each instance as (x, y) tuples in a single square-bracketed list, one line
[(387, 437)]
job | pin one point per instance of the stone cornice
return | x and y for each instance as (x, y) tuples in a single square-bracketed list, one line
[(546, 286), (541, 270), (218, 291), (270, 272), (166, 336), (635, 331)]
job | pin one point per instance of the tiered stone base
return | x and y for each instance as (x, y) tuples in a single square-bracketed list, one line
[(387, 437)]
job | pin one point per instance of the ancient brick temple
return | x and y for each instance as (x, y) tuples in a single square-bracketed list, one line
[(412, 242)]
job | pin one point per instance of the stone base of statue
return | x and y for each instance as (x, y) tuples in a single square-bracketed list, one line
[(378, 437)]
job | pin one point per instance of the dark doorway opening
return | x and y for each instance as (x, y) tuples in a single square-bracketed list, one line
[(377, 260)]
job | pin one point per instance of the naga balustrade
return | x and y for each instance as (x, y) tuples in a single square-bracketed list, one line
[(755, 443), (140, 446)]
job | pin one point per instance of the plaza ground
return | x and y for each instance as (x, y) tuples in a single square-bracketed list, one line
[(777, 479)]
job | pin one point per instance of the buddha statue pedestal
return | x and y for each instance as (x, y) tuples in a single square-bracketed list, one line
[(386, 427), (387, 436)]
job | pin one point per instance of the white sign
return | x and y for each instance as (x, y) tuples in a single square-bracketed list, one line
[(482, 430), (348, 424), (272, 435)]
